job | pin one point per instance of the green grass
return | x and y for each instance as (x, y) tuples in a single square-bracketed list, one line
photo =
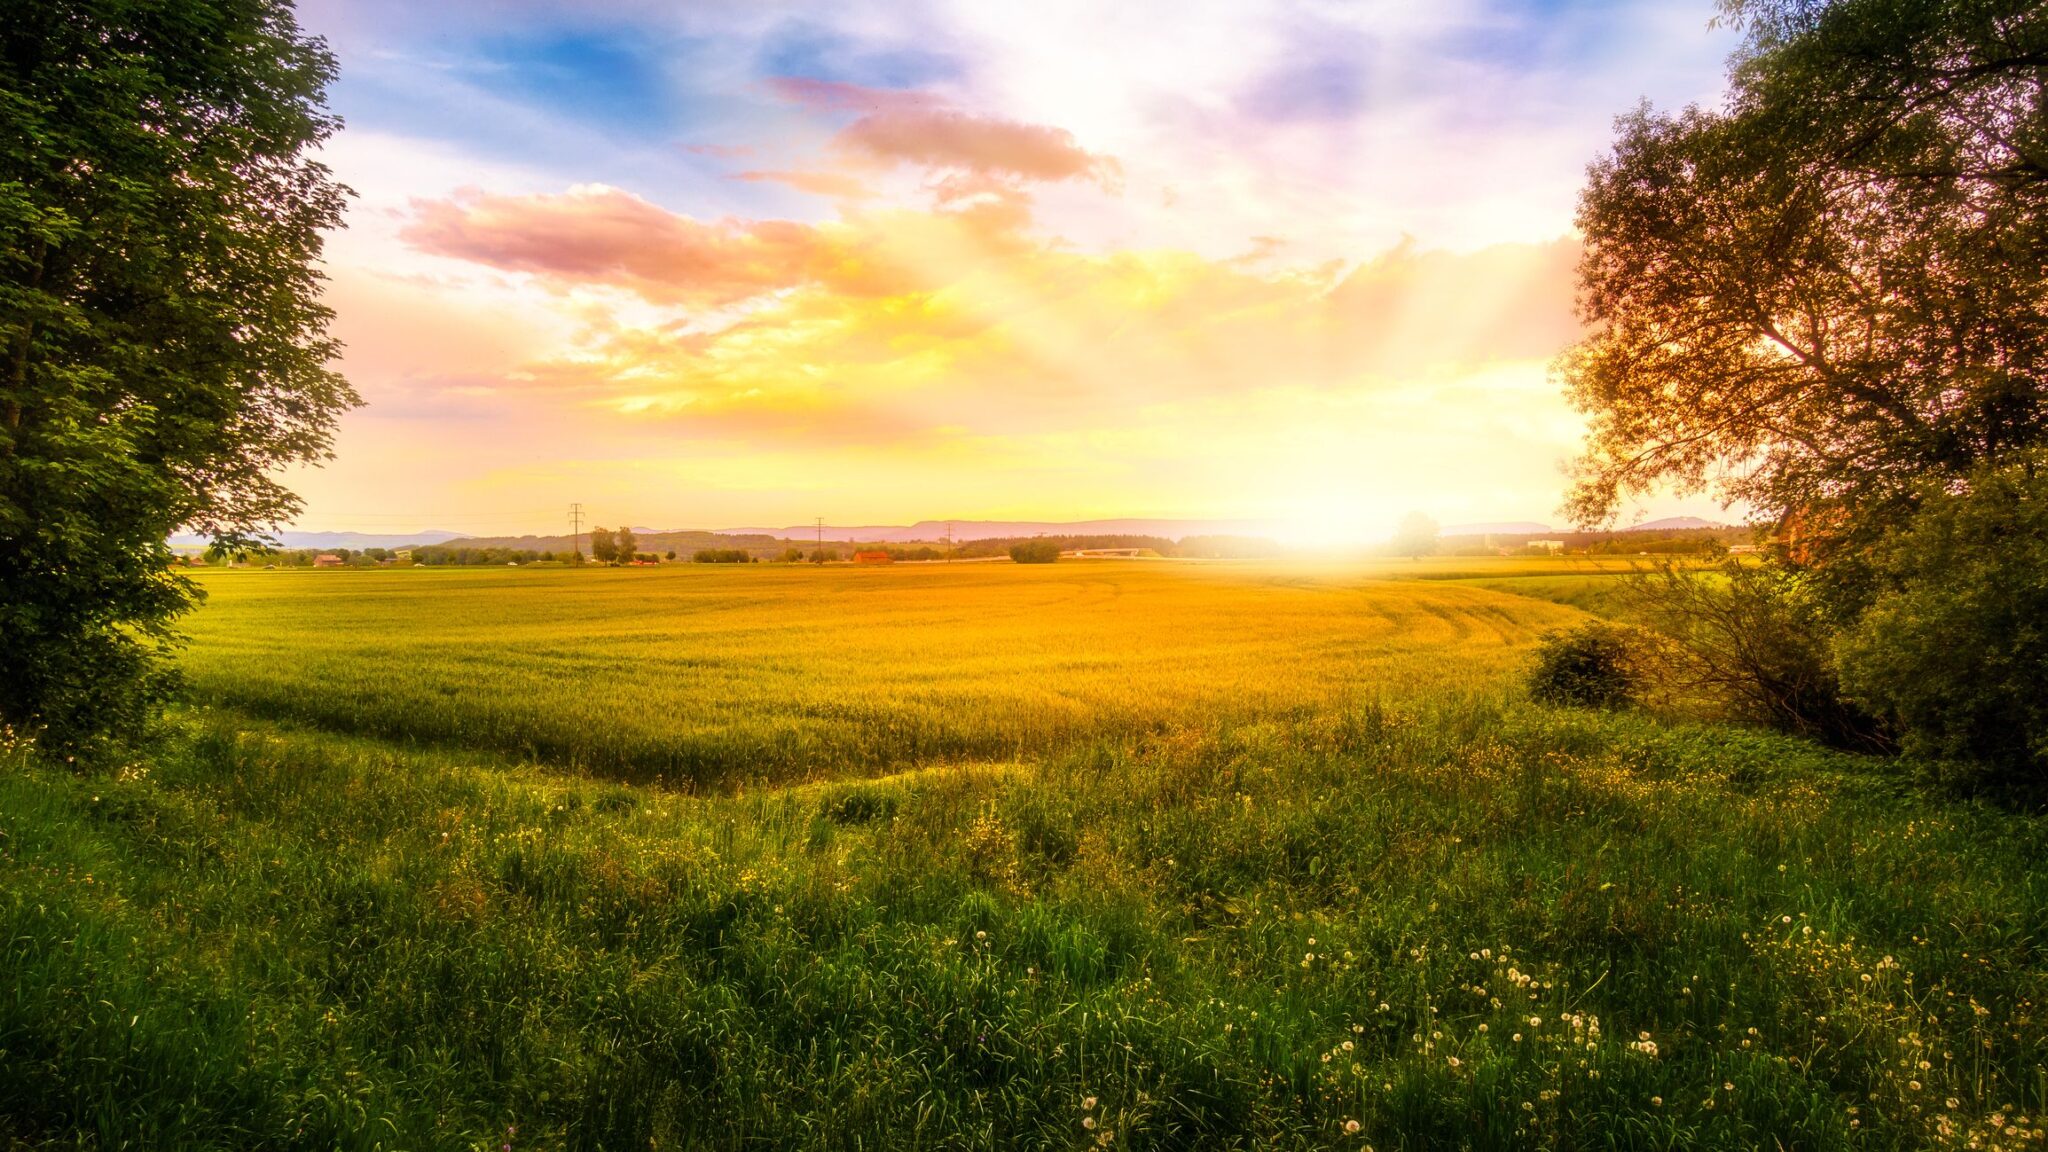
[(276, 934)]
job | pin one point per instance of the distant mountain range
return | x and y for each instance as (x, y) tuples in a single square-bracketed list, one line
[(1673, 524), (295, 539), (1533, 528), (963, 530)]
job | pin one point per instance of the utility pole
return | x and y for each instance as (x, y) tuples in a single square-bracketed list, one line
[(576, 529), (949, 541), (821, 534)]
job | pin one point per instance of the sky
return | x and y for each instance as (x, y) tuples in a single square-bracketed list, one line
[(743, 264)]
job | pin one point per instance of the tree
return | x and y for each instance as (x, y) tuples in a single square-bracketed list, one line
[(1416, 536), (626, 546), (1035, 552), (1954, 647), (1832, 289), (603, 548), (163, 349)]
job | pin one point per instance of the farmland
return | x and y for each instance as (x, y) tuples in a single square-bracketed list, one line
[(1083, 855), (705, 674)]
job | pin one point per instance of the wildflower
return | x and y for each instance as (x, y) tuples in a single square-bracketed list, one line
[(1347, 1045), (1517, 1037), (1088, 1122), (1351, 1127), (1656, 1101), (1482, 1028), (1727, 1086), (1455, 1062), (1087, 1103), (978, 935), (1913, 1084), (1535, 1021)]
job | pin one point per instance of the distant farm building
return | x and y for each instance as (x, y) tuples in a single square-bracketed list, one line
[(328, 560), (873, 557)]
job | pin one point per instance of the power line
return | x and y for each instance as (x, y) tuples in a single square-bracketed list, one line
[(576, 526)]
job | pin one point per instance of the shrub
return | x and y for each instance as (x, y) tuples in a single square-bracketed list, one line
[(1758, 641), (1592, 666), (1954, 647), (1035, 552)]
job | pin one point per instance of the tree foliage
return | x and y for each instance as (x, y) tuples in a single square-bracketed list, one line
[(163, 348), (1035, 551), (603, 548), (1416, 536), (1954, 646), (1835, 286)]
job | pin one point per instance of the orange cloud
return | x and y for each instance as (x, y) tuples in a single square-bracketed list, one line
[(890, 327)]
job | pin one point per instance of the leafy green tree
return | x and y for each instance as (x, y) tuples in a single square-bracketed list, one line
[(603, 548), (1954, 647), (626, 546), (1835, 286), (1035, 552), (163, 349), (1416, 536)]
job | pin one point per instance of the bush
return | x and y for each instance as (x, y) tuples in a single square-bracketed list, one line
[(1035, 552), (1954, 647), (1592, 666), (721, 556), (1758, 642)]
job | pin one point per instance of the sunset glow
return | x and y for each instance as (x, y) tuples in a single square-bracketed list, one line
[(895, 262)]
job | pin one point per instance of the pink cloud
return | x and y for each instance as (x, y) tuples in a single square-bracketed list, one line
[(898, 126), (837, 185), (597, 234)]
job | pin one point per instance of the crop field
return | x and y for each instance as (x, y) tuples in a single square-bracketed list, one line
[(1117, 855), (710, 673)]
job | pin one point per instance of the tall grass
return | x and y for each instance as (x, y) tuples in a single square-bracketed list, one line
[(1108, 856), (1454, 925)]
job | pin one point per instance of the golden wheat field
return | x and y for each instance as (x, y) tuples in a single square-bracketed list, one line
[(699, 673)]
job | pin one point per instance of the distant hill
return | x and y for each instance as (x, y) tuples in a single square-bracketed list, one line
[(1673, 524), (1501, 528), (965, 530), (334, 539)]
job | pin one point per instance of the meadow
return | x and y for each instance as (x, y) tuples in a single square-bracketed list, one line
[(1117, 855)]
